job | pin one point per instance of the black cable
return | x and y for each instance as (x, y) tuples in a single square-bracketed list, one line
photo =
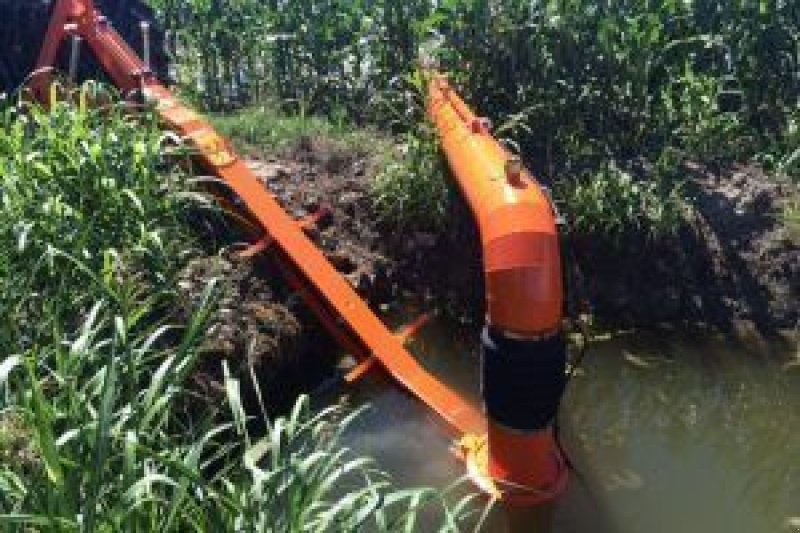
[(575, 291)]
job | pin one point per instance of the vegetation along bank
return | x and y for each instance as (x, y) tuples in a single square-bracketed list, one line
[(667, 133)]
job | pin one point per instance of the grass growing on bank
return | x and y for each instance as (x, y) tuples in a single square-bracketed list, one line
[(411, 190), (98, 429), (616, 204), (409, 184), (791, 218), (267, 130)]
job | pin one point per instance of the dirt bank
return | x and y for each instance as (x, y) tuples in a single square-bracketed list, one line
[(387, 265), (260, 323), (733, 266)]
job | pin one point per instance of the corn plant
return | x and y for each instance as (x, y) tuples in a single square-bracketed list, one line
[(587, 69), (614, 203)]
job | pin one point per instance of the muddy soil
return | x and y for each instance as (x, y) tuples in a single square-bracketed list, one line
[(258, 327), (389, 266), (732, 267)]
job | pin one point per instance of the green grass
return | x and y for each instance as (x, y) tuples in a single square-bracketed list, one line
[(268, 130), (410, 189), (99, 430), (790, 216), (83, 191), (408, 178), (613, 203)]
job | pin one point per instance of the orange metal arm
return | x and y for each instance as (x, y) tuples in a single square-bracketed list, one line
[(80, 18), (521, 255), (335, 302), (328, 293)]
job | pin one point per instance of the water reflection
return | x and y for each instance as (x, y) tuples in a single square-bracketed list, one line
[(667, 434), (706, 438)]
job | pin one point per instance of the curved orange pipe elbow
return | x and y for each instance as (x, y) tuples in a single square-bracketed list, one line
[(522, 262)]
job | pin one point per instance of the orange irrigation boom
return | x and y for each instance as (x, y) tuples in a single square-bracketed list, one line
[(524, 356), (330, 296)]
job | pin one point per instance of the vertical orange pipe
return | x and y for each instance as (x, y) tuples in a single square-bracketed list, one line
[(524, 299), (517, 227)]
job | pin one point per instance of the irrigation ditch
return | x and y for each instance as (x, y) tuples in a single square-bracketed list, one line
[(680, 204)]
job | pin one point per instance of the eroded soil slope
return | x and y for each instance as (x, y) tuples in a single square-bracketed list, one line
[(734, 265)]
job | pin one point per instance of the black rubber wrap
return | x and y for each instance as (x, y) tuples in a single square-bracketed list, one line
[(522, 380)]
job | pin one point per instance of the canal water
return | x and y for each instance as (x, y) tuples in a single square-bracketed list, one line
[(668, 432)]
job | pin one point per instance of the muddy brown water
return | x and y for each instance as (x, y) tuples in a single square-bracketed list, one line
[(667, 433)]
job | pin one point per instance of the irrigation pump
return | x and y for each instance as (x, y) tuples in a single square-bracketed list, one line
[(512, 454)]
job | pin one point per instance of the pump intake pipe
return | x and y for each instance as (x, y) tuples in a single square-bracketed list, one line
[(523, 356)]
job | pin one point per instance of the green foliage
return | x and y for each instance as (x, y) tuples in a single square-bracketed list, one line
[(117, 455), (222, 45), (783, 156), (411, 190), (614, 203), (88, 184), (791, 218), (609, 76), (701, 130), (266, 129), (716, 81)]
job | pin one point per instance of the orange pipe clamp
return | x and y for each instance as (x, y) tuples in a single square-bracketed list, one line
[(524, 299)]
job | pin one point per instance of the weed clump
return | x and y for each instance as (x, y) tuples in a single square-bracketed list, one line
[(411, 190), (613, 202)]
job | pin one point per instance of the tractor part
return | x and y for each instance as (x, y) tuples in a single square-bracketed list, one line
[(25, 23), (330, 296), (523, 351)]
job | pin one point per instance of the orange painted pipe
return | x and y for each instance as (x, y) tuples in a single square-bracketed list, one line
[(522, 262), (524, 295)]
